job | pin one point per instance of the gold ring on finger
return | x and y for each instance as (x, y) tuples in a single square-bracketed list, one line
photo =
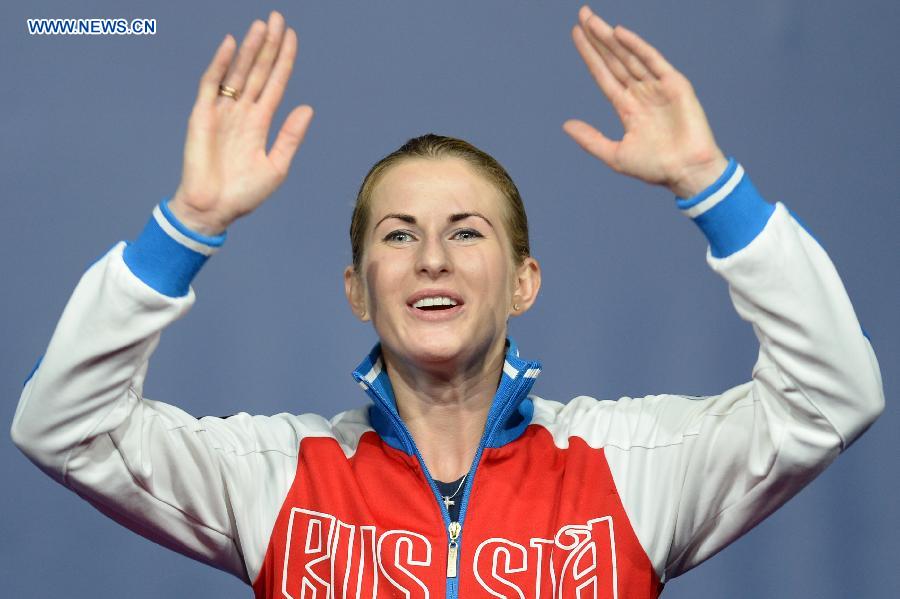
[(230, 92)]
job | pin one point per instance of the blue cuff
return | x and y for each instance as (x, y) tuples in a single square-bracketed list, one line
[(168, 255), (215, 241), (730, 212)]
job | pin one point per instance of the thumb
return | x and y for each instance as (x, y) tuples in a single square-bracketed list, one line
[(290, 137), (593, 142)]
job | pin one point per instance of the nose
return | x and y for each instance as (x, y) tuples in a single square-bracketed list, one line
[(432, 258)]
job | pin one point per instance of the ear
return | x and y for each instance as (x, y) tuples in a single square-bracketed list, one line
[(527, 285), (356, 293)]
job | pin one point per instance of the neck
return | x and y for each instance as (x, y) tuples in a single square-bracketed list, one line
[(445, 408)]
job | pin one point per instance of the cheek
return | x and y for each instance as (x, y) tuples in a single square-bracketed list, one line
[(372, 279), (491, 276), (383, 282)]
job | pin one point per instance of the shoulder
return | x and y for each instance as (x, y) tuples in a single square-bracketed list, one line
[(648, 422), (245, 434)]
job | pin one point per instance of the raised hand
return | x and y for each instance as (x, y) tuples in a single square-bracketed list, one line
[(667, 138), (227, 172)]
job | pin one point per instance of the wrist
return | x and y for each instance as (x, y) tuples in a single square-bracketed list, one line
[(198, 221), (697, 178)]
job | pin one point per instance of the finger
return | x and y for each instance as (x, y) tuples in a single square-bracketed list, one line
[(212, 77), (262, 66), (253, 39), (281, 72), (615, 66), (649, 56), (289, 138), (609, 85), (593, 142), (600, 32)]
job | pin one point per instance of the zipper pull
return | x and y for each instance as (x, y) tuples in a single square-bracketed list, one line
[(454, 529)]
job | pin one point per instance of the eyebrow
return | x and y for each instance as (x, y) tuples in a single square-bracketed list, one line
[(453, 218)]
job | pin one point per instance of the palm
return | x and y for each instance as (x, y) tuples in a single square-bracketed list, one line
[(227, 158), (667, 139)]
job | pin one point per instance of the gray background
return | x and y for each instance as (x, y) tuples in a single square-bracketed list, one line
[(804, 94)]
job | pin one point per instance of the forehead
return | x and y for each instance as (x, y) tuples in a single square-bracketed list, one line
[(436, 187)]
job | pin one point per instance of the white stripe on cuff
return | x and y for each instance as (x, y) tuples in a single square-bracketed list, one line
[(698, 209), (171, 231)]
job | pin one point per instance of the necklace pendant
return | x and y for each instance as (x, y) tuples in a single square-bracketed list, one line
[(448, 502)]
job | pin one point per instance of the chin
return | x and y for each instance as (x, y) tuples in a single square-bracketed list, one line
[(451, 349), (435, 349)]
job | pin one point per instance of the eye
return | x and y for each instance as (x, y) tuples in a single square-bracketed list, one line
[(466, 234), (399, 236)]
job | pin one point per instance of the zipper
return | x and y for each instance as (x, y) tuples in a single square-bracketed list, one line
[(454, 529), (453, 548), (518, 385)]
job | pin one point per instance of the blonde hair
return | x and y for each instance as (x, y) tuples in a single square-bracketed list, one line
[(431, 146)]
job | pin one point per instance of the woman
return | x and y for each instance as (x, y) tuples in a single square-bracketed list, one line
[(455, 481)]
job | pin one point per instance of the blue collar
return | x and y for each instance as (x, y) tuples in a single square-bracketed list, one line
[(510, 412)]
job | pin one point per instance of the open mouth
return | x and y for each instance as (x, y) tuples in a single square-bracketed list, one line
[(433, 304)]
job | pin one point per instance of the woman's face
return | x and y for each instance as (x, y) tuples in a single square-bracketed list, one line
[(437, 278)]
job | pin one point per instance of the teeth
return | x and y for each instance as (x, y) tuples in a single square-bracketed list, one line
[(434, 301)]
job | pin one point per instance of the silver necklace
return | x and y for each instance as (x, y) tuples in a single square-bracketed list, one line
[(448, 499)]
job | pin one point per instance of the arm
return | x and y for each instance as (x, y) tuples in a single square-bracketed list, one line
[(696, 473), (82, 416)]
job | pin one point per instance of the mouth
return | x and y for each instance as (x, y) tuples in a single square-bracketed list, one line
[(434, 304)]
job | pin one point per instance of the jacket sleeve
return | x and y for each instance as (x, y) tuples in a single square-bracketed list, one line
[(695, 473), (152, 467)]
